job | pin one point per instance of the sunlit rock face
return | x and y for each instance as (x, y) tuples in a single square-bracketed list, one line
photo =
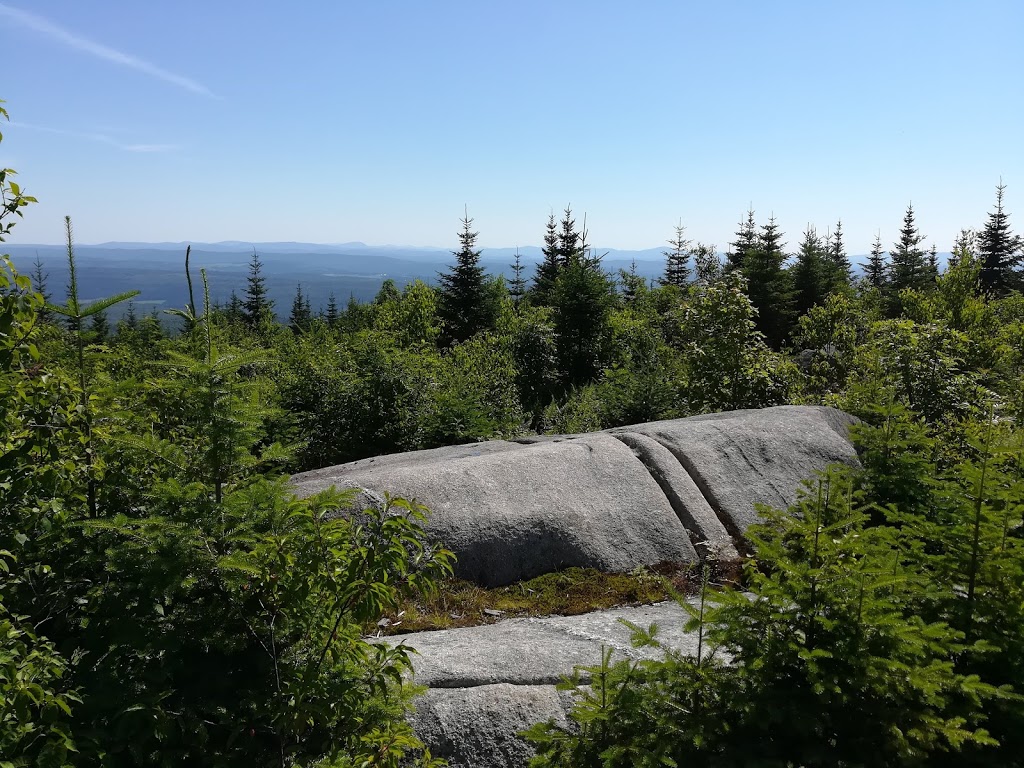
[(662, 492)]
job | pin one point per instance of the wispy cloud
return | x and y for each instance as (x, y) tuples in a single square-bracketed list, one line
[(41, 25), (100, 138)]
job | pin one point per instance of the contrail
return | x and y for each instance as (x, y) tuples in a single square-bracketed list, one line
[(45, 27)]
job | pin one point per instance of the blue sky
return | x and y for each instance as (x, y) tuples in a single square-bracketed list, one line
[(337, 121)]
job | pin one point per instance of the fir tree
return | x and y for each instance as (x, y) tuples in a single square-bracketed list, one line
[(746, 241), (257, 304), (677, 260), (99, 328), (301, 313), (235, 310), (517, 285), (331, 316), (876, 271), (633, 284), (151, 330), (582, 302), (932, 266), (908, 268), (842, 271), (549, 266), (39, 279), (130, 321), (813, 272), (570, 242), (999, 249), (769, 285), (466, 307)]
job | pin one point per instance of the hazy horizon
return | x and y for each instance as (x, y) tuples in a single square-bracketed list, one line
[(331, 122)]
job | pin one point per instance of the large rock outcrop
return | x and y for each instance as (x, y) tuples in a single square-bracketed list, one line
[(667, 491)]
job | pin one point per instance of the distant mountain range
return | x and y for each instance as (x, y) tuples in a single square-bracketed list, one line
[(344, 269)]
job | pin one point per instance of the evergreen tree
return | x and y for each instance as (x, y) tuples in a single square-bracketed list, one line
[(39, 278), (813, 272), (549, 266), (466, 306), (769, 285), (842, 271), (582, 303), (388, 292), (677, 260), (999, 249), (235, 310), (257, 304), (746, 241), (130, 319), (633, 284), (151, 330), (876, 271), (517, 285), (908, 268), (331, 316), (570, 242), (301, 313), (933, 264), (99, 328)]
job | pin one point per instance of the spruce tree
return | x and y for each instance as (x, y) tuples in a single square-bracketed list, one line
[(130, 319), (39, 279), (570, 242), (632, 283), (769, 285), (908, 267), (331, 316), (235, 310), (466, 307), (842, 271), (932, 266), (549, 266), (813, 272), (99, 328), (257, 304), (301, 313), (999, 249), (876, 271), (677, 260), (517, 285), (746, 241), (582, 302)]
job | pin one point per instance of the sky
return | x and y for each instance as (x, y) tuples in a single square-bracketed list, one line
[(334, 121)]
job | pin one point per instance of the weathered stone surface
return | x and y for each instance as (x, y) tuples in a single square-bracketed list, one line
[(478, 727), (741, 458), (488, 683), (628, 497), (511, 511), (533, 651), (707, 532)]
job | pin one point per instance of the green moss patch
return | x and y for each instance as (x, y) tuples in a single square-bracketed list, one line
[(569, 592)]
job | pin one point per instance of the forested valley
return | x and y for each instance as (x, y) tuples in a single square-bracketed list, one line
[(164, 600)]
